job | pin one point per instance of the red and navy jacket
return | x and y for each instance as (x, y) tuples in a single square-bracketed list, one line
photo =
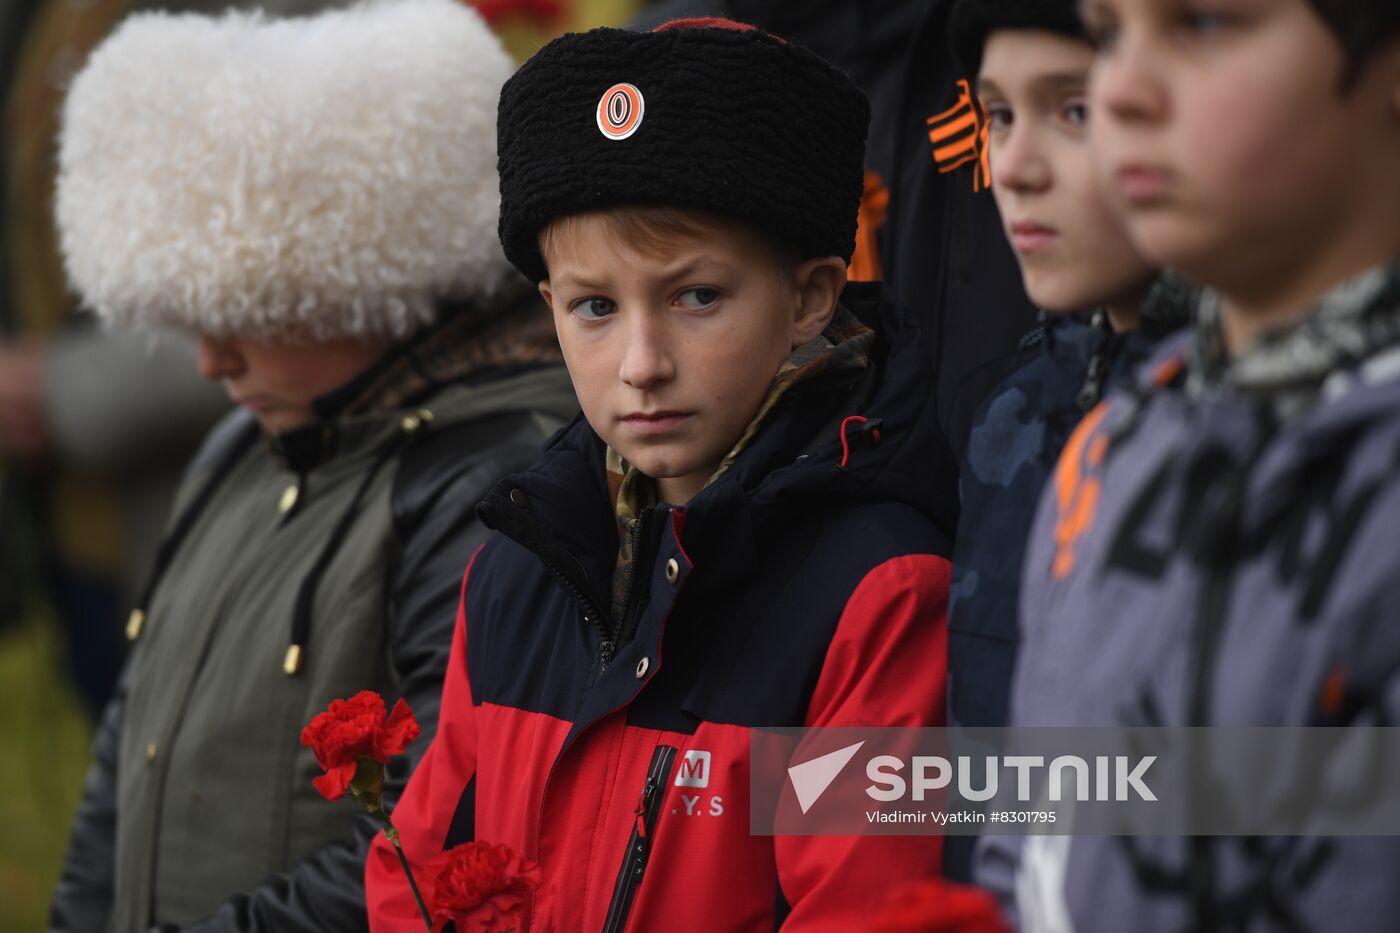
[(806, 586)]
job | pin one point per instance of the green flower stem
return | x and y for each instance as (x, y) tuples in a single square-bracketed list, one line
[(393, 836), (369, 799)]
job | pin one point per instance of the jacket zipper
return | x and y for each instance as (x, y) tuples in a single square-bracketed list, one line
[(611, 636), (636, 535), (521, 529), (524, 531), (634, 859), (1218, 552), (1092, 390), (592, 615)]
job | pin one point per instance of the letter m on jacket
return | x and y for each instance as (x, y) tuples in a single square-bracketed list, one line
[(694, 770)]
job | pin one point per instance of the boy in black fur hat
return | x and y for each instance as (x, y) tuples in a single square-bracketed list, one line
[(736, 534)]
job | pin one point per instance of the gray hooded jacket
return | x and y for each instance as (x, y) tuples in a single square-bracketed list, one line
[(1219, 548)]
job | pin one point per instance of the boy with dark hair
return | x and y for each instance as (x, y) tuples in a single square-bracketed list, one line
[(735, 533), (1219, 549), (1031, 63)]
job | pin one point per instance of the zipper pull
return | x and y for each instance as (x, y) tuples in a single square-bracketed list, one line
[(634, 858), (1092, 389), (641, 811)]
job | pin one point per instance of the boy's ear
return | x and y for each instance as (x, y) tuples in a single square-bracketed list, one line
[(819, 284), (546, 294)]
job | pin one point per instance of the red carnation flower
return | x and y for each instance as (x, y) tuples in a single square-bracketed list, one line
[(482, 887), (546, 13), (355, 738), (939, 907)]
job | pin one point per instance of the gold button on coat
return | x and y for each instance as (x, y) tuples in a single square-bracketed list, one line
[(150, 752), (289, 499), (673, 571), (411, 423), (134, 624)]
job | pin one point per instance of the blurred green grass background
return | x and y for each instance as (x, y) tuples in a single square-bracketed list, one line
[(45, 745)]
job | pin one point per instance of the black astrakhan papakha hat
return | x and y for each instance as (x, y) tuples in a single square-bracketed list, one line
[(701, 114), (971, 21)]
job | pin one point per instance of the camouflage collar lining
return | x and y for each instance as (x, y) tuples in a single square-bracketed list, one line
[(1353, 322)]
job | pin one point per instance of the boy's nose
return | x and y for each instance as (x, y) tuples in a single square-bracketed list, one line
[(1122, 86), (1018, 165), (647, 360), (218, 359)]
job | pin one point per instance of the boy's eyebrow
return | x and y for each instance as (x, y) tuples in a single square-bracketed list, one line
[(682, 268), (691, 265), (568, 280), (1063, 80), (1054, 81)]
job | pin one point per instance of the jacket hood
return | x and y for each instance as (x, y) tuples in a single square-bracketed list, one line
[(823, 450), (320, 177)]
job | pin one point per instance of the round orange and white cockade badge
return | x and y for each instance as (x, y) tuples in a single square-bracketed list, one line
[(620, 111)]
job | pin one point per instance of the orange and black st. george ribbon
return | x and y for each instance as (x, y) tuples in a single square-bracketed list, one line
[(959, 137)]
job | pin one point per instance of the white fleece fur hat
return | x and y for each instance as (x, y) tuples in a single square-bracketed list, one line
[(323, 177)]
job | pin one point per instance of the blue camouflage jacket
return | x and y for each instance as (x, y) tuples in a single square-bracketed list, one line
[(1016, 438)]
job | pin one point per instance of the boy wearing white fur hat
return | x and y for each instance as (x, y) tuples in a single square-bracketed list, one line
[(316, 199)]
